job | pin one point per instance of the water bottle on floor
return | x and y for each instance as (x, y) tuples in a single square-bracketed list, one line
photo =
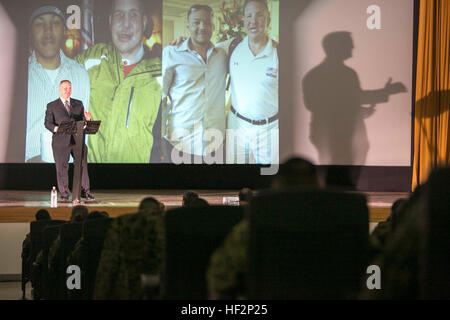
[(54, 198)]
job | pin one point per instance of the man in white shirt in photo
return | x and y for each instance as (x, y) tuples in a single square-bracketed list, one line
[(252, 129), (193, 95)]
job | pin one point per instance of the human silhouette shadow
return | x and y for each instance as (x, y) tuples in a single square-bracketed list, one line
[(430, 108), (333, 95)]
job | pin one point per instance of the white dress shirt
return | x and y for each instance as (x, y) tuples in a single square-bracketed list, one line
[(196, 90)]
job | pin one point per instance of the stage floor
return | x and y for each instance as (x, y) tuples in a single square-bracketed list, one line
[(20, 206)]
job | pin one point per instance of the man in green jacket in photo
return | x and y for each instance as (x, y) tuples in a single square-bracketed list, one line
[(125, 93)]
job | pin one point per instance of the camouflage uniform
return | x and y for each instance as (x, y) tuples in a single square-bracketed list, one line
[(36, 275), (26, 247), (379, 238), (78, 257), (229, 264), (26, 256), (79, 251), (53, 255), (399, 258), (133, 246)]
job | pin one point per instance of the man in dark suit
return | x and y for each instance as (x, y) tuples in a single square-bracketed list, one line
[(66, 109)]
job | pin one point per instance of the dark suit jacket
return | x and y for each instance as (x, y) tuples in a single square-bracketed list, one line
[(56, 114)]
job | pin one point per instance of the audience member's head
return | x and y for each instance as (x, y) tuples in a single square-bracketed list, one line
[(418, 190), (397, 211), (104, 214), (401, 208), (151, 205), (295, 172), (199, 202), (42, 214), (97, 215), (188, 197), (79, 213), (244, 195)]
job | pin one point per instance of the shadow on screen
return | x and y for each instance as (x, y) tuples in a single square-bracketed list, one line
[(339, 107), (430, 108)]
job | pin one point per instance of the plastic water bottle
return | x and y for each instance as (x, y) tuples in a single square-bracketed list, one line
[(54, 198)]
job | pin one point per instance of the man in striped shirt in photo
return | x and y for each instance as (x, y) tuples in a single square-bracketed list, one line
[(47, 66)]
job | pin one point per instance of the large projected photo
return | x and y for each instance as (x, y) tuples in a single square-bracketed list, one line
[(211, 96), (207, 113), (113, 70)]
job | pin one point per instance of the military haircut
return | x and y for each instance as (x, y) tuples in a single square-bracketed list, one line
[(245, 194), (296, 172), (199, 202), (189, 196), (42, 214), (79, 213), (97, 215), (150, 204)]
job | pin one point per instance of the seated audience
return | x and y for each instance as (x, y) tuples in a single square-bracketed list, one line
[(188, 197), (133, 246), (81, 248), (199, 202), (97, 215), (151, 205), (401, 257), (79, 213), (244, 196), (295, 172), (384, 229), (41, 214), (228, 264)]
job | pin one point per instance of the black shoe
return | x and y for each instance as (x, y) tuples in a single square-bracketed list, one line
[(88, 196), (63, 200)]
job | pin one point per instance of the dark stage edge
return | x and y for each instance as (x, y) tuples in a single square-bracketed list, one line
[(21, 206)]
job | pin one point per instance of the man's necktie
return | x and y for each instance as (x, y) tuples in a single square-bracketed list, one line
[(66, 104)]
